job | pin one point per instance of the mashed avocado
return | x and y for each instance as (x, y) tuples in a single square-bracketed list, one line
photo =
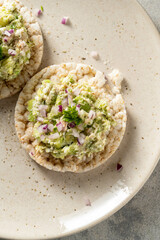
[(15, 47), (69, 119)]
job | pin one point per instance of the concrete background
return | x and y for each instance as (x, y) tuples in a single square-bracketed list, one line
[(140, 218)]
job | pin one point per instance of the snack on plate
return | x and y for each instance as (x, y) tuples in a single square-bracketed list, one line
[(70, 117), (21, 47)]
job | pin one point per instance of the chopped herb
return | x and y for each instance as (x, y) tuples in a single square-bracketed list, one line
[(1, 53), (42, 8), (71, 115)]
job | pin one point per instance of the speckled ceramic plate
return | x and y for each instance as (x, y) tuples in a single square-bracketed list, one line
[(38, 203)]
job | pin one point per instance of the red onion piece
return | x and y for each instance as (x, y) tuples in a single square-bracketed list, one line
[(7, 33), (91, 114), (42, 137), (76, 91), (60, 108), (70, 101), (65, 103), (11, 31), (54, 136), (42, 110), (59, 126), (78, 141), (80, 127), (12, 52), (54, 110), (50, 127), (78, 108), (39, 13), (81, 139), (43, 128), (65, 20), (71, 125), (5, 39), (119, 167), (66, 91), (87, 202), (75, 133), (40, 119)]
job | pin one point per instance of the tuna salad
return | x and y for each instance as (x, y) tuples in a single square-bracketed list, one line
[(15, 46), (70, 117)]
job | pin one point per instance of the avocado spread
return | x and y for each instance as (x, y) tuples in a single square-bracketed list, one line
[(15, 46), (69, 118)]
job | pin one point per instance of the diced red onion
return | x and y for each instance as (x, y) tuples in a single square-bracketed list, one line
[(42, 109), (7, 33), (39, 13), (119, 167), (42, 137), (65, 103), (80, 127), (76, 91), (12, 52), (65, 20), (87, 202), (59, 126), (71, 125), (43, 128), (55, 110), (78, 108), (91, 114), (81, 139), (75, 133), (5, 39), (54, 136), (64, 124), (31, 153), (11, 31), (50, 127), (60, 108), (66, 91), (70, 100), (43, 112), (40, 119)]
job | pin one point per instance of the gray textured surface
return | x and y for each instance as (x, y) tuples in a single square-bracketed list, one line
[(140, 218)]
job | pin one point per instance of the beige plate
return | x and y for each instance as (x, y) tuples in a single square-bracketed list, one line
[(38, 203)]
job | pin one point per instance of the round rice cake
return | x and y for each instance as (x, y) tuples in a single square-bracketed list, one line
[(9, 88), (108, 87)]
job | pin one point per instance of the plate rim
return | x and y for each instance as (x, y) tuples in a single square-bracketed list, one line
[(124, 202)]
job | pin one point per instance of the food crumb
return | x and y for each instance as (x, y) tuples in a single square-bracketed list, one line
[(119, 167), (94, 55), (87, 202)]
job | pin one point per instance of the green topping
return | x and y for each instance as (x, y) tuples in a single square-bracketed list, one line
[(1, 53), (71, 115), (42, 9), (15, 46), (83, 103), (67, 123)]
